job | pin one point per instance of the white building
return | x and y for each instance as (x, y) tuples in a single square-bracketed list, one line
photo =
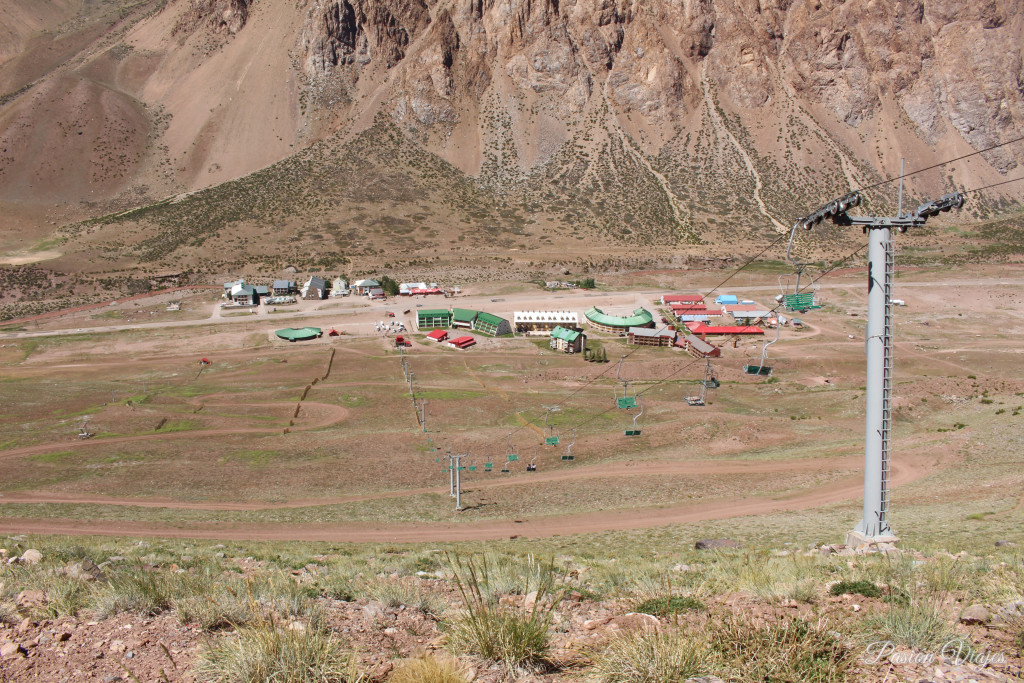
[(542, 322), (405, 288), (363, 287)]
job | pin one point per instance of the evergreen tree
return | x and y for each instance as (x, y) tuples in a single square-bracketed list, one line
[(389, 285)]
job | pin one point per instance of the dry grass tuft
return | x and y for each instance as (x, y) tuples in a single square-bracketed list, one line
[(268, 653), (515, 636), (429, 669), (787, 649), (649, 656), (918, 625)]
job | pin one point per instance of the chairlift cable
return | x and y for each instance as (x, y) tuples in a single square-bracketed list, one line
[(665, 327), (1005, 182), (664, 379), (941, 163)]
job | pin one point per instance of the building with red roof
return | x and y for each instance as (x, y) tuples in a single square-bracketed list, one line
[(667, 299), (701, 329)]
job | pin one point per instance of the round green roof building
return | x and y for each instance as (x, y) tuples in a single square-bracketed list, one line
[(600, 320)]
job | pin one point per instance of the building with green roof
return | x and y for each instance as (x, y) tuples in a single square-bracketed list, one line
[(620, 325), (463, 317), (567, 340), (433, 318), (481, 322), (491, 325), (292, 334)]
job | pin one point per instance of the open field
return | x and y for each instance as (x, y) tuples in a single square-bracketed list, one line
[(321, 440), (287, 497)]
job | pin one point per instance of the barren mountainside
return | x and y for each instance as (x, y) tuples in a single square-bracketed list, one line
[(646, 123)]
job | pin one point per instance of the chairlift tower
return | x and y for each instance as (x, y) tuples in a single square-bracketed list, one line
[(874, 524), (457, 462)]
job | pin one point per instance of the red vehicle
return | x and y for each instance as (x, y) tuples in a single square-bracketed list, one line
[(390, 314)]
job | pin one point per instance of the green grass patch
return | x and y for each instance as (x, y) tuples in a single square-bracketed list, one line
[(450, 394), (56, 456), (668, 605), (865, 588)]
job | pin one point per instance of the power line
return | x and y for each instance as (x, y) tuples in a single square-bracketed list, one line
[(941, 163), (1005, 182), (601, 374), (750, 260), (675, 372)]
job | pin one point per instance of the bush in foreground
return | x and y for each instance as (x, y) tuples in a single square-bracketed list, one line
[(518, 638), (649, 656), (918, 625), (269, 653), (429, 669), (787, 649)]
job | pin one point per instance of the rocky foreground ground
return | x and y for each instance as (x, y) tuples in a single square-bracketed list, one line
[(148, 616)]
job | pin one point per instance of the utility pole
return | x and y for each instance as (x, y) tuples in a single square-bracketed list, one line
[(874, 524), (423, 415)]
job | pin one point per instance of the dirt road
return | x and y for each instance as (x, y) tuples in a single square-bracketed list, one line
[(335, 414), (504, 306), (905, 470)]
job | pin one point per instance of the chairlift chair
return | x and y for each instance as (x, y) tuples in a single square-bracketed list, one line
[(709, 382), (532, 465), (568, 449), (762, 369), (798, 300), (551, 439), (626, 401), (510, 452), (635, 430)]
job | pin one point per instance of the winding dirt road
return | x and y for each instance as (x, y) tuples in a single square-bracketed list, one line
[(335, 414), (906, 469)]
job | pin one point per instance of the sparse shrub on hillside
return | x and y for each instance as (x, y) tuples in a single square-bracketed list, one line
[(269, 653), (66, 596), (337, 586), (135, 590), (408, 592), (651, 656), (946, 575), (512, 575), (219, 605), (517, 637)]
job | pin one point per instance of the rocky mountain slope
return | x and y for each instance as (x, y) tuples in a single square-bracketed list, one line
[(648, 123)]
